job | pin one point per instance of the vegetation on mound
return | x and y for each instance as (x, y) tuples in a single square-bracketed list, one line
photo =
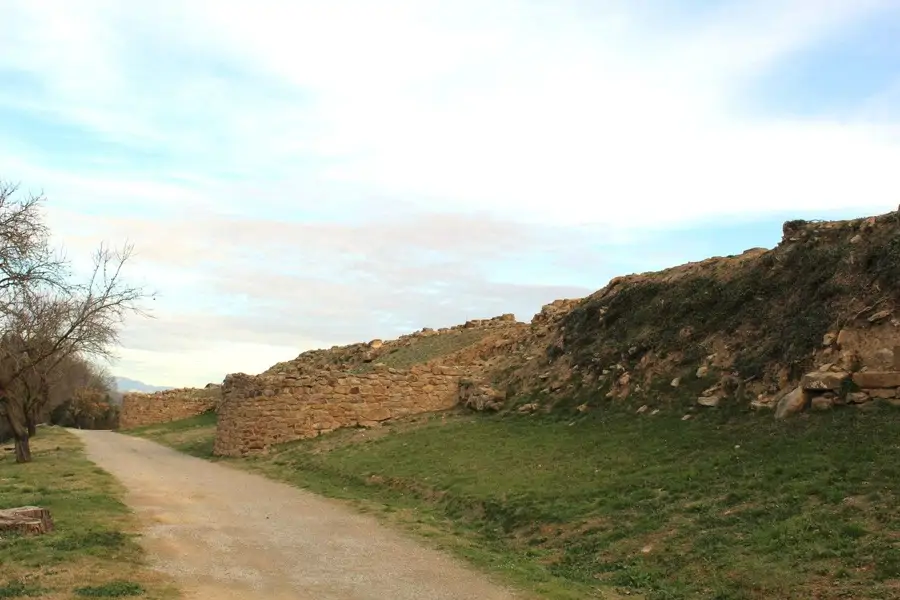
[(91, 544), (725, 506), (771, 309), (427, 348)]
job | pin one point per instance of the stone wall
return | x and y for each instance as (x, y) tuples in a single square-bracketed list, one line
[(140, 409), (259, 411)]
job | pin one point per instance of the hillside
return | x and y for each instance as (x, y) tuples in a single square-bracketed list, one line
[(740, 328)]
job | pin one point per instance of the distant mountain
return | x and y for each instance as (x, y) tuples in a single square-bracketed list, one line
[(125, 384)]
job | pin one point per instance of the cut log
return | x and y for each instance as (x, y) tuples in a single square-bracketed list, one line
[(26, 520)]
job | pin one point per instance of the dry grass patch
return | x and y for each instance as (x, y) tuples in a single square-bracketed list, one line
[(93, 551)]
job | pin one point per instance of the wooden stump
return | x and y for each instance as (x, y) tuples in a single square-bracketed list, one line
[(26, 520)]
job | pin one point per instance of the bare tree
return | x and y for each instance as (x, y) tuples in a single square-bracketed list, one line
[(46, 318)]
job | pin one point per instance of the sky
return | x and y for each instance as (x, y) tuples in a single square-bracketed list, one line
[(296, 175)]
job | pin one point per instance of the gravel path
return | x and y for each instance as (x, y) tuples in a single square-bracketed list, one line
[(223, 534)]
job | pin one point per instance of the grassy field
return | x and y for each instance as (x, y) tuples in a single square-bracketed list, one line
[(724, 506), (92, 552)]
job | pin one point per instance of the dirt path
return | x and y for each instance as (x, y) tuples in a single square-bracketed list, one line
[(224, 533)]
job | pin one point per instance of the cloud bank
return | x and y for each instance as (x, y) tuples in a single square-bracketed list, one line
[(302, 174)]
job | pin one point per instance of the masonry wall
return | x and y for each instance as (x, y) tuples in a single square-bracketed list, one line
[(259, 411), (171, 405)]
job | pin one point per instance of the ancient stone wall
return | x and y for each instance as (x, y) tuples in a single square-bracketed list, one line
[(140, 409), (259, 411)]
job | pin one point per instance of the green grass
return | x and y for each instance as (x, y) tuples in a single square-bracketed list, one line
[(428, 348), (92, 542), (113, 589), (727, 506), (194, 436)]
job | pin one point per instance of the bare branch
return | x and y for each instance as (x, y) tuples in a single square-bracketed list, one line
[(50, 324)]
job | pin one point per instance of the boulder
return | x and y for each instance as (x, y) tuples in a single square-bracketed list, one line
[(480, 397), (791, 403), (823, 381), (760, 405), (821, 403), (883, 393), (858, 398), (877, 379), (711, 401)]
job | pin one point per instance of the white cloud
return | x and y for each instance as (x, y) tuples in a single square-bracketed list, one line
[(609, 115)]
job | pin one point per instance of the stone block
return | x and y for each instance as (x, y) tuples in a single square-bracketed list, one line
[(823, 381), (791, 403), (821, 403), (883, 393), (877, 379)]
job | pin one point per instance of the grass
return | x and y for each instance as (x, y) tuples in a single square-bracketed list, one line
[(427, 348), (727, 506), (92, 545), (194, 436)]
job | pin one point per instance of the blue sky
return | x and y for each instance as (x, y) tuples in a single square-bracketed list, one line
[(303, 174)]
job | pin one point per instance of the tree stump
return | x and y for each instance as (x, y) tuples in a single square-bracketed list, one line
[(26, 520)]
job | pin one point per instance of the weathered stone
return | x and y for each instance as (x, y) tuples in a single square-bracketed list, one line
[(676, 382), (644, 408), (843, 337), (528, 408), (877, 379), (858, 398), (881, 315), (829, 339), (791, 403), (702, 371), (761, 405), (375, 413), (711, 401), (883, 393), (821, 403), (818, 380)]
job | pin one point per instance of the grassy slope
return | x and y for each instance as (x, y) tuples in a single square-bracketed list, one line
[(428, 348), (92, 546), (726, 506), (194, 436)]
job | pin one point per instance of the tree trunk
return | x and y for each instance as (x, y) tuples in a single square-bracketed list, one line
[(31, 424), (23, 449), (15, 416)]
